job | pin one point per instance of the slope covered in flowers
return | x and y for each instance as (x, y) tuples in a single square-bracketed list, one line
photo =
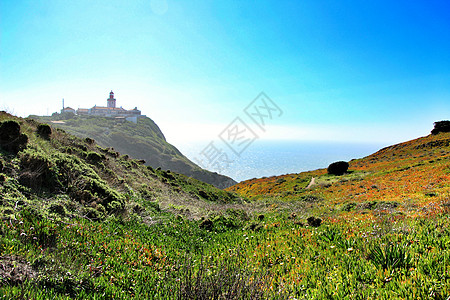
[(410, 174)]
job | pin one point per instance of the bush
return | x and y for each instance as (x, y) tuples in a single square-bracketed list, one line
[(11, 139), (115, 206), (57, 208), (38, 171), (109, 197), (71, 174), (280, 180), (314, 222), (93, 214), (441, 126), (44, 131), (222, 223), (206, 224), (338, 168), (154, 206), (349, 206), (89, 141), (389, 256), (94, 157)]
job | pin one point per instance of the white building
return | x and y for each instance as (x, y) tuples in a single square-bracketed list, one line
[(106, 111)]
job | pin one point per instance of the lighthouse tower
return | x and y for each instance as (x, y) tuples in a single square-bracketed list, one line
[(111, 100)]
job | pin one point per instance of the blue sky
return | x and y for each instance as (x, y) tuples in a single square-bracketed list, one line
[(357, 71)]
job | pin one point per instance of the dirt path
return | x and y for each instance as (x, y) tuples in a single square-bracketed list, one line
[(311, 183)]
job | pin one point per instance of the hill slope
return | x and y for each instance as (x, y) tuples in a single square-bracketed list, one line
[(418, 170), (90, 179), (82, 222), (143, 140)]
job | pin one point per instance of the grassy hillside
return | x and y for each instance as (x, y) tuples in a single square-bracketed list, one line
[(79, 225), (385, 223), (143, 140), (417, 171)]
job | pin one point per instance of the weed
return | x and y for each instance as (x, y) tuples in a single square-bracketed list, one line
[(389, 256), (226, 280)]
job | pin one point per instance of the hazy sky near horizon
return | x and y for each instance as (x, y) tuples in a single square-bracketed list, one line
[(355, 71)]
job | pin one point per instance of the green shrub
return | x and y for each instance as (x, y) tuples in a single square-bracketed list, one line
[(57, 208), (206, 224), (11, 139), (137, 208), (109, 197), (38, 171), (239, 214), (93, 214), (254, 226), (62, 171), (95, 157), (44, 131), (314, 222), (338, 168), (89, 141), (222, 222), (441, 126), (207, 195), (390, 256), (168, 175), (115, 206), (154, 206), (146, 192), (280, 180), (349, 206)]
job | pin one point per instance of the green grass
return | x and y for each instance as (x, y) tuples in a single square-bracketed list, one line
[(128, 259)]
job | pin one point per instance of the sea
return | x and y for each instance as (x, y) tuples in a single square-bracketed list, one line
[(269, 158)]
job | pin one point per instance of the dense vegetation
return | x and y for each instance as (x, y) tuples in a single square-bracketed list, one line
[(338, 168), (143, 140), (89, 223), (441, 126)]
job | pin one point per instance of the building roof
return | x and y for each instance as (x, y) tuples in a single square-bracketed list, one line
[(107, 108), (68, 108)]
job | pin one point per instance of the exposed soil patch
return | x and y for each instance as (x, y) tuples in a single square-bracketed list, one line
[(15, 270), (311, 183)]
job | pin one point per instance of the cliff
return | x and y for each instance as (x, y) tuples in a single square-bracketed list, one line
[(143, 140)]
